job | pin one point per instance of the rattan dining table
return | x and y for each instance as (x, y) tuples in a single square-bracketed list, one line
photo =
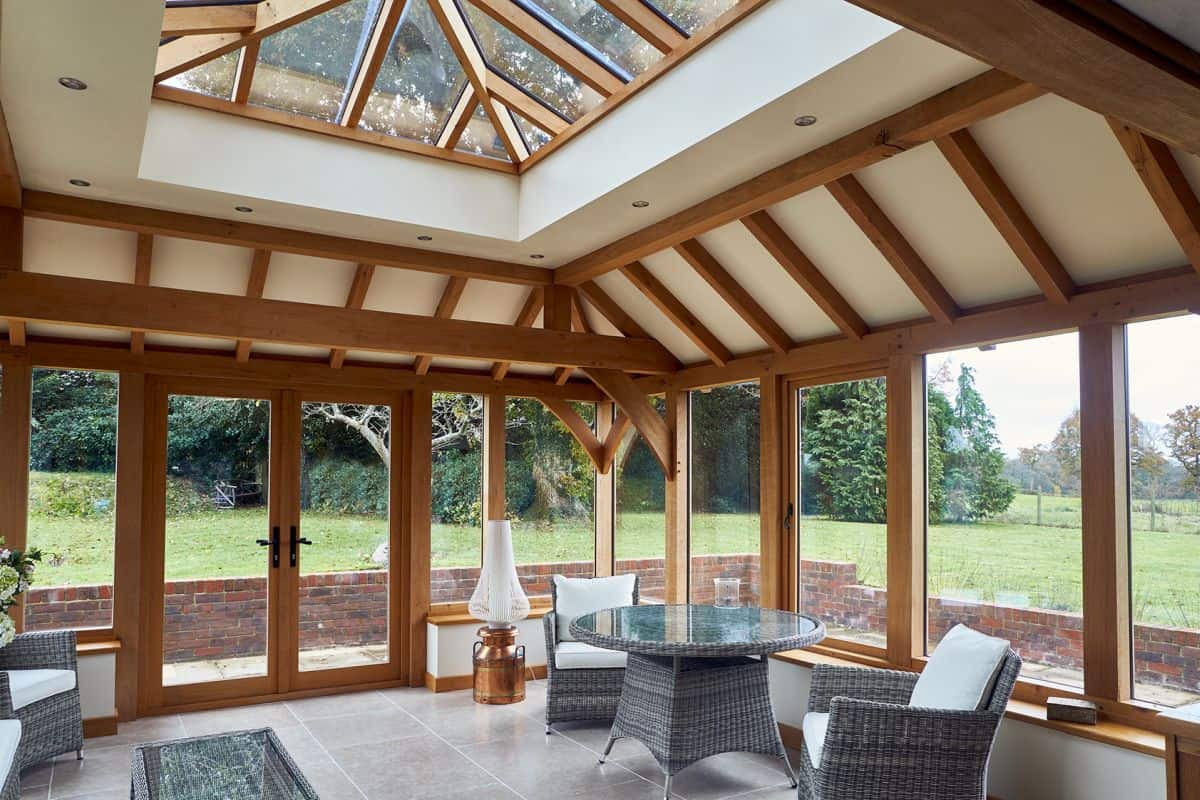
[(696, 677)]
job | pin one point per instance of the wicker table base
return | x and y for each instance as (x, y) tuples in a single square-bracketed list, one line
[(687, 709)]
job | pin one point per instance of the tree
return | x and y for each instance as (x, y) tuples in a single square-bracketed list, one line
[(73, 427), (1183, 441), (973, 463), (1066, 447), (845, 445), (1147, 465)]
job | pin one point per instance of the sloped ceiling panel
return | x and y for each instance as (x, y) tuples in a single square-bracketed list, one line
[(302, 279), (200, 266), (402, 291), (172, 340), (485, 301), (703, 301), (78, 251), (627, 296)]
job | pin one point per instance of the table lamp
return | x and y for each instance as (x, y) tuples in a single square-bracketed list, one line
[(498, 600)]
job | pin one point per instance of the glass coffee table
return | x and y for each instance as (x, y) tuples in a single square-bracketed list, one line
[(244, 765)]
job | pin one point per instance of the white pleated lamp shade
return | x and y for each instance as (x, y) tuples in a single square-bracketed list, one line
[(498, 599)]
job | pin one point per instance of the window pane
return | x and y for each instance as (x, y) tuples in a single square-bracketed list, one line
[(725, 536), (550, 491), (607, 34), (692, 15), (214, 78), (457, 537), (842, 528), (480, 137), (1164, 451), (419, 82), (306, 69), (72, 498), (534, 136), (1005, 526), (640, 533), (509, 54)]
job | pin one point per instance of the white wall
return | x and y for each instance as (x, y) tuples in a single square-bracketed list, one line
[(97, 685), (448, 648)]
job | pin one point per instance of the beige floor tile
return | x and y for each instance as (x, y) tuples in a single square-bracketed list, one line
[(337, 705), (265, 715), (419, 768), (104, 770), (387, 725), (543, 766)]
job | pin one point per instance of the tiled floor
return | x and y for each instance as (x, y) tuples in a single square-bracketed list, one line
[(410, 744)]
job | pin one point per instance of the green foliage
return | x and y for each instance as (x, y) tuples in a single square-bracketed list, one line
[(548, 476), (213, 439), (845, 449), (457, 487), (84, 495), (184, 497), (972, 462), (74, 421), (337, 486), (725, 449)]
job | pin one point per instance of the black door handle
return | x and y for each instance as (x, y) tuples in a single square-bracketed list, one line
[(296, 540), (273, 543)]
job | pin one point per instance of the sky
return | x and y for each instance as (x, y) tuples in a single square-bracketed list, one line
[(1031, 386)]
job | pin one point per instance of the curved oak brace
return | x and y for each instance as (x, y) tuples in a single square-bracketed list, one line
[(578, 428), (630, 399)]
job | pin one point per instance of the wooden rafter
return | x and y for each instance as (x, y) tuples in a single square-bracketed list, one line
[(634, 404), (661, 34), (242, 82), (12, 252), (1167, 185), (10, 174), (1102, 61), (105, 304), (255, 284), (677, 312), (734, 295), (957, 107), (355, 297), (445, 310), (458, 34), (80, 210), (372, 61), (887, 238), (460, 117), (1001, 206), (551, 45), (525, 319), (142, 264), (526, 106), (192, 20), (612, 311), (805, 273), (271, 17)]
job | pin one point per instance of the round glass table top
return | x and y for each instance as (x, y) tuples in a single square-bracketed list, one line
[(698, 631)]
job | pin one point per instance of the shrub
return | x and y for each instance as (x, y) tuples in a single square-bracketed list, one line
[(346, 487), (457, 486), (81, 495), (185, 497)]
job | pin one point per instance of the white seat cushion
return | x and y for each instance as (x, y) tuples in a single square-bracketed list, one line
[(30, 685), (578, 655), (814, 726), (10, 737), (961, 672), (578, 596)]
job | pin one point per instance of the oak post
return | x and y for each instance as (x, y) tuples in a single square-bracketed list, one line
[(774, 589), (127, 570), (14, 466), (905, 508), (606, 511), (677, 495), (494, 421), (420, 464)]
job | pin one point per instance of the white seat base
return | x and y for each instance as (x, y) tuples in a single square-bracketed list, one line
[(814, 726), (579, 655), (10, 737), (31, 685)]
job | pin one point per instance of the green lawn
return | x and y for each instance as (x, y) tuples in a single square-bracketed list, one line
[(1010, 560)]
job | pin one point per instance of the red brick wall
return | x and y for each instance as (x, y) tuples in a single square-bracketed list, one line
[(68, 607)]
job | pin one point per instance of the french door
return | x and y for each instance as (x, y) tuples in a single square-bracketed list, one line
[(267, 565)]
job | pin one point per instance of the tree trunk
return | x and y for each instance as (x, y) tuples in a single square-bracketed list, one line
[(1039, 506)]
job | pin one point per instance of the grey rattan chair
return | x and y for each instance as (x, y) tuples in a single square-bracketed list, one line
[(877, 747), (53, 725), (579, 694)]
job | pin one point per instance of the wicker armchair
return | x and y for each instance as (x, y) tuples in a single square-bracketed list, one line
[(578, 694), (51, 725), (10, 741), (877, 747)]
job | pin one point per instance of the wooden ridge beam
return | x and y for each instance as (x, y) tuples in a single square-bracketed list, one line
[(612, 311), (255, 284), (372, 61), (646, 23), (804, 272), (64, 208), (355, 297), (908, 264), (525, 319), (1102, 61), (445, 310), (142, 264), (634, 404), (955, 108), (192, 20), (105, 304), (735, 295), (1167, 185), (1001, 206), (677, 312)]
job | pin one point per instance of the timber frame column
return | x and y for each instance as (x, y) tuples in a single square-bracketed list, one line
[(774, 570), (14, 465), (418, 463), (1104, 453), (606, 497), (127, 578), (906, 508), (677, 493), (494, 422)]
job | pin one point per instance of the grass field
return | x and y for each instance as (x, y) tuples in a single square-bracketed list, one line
[(1009, 560)]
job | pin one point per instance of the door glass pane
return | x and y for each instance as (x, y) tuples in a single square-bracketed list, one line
[(456, 549), (725, 536), (344, 467), (640, 537), (215, 593)]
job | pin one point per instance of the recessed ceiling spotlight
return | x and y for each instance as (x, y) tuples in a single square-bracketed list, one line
[(804, 120), (640, 203), (244, 209), (424, 238), (537, 256), (79, 182), (67, 82)]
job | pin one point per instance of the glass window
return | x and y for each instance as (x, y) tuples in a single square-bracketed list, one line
[(480, 137), (419, 82), (457, 535), (604, 32), (640, 531), (1005, 525), (842, 522), (692, 15), (307, 69), (725, 535), (72, 498), (214, 78), (534, 136), (550, 492), (1164, 454), (526, 67)]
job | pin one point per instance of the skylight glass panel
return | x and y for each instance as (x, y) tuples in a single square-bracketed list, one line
[(307, 69), (419, 82), (508, 53), (692, 15), (604, 32), (213, 78), (480, 137), (534, 136)]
